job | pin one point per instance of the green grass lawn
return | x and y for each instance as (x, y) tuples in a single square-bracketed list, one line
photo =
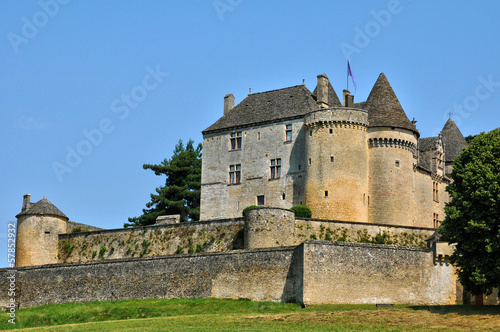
[(243, 315)]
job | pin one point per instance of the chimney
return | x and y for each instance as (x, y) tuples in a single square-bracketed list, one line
[(322, 91), (348, 99), (228, 103), (26, 202)]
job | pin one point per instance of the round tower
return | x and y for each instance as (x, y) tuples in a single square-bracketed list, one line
[(336, 184), (38, 228), (392, 143)]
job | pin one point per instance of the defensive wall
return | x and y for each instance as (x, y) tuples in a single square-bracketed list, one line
[(265, 228), (313, 272)]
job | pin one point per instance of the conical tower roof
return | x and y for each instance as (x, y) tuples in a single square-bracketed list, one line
[(453, 140), (42, 207), (384, 109)]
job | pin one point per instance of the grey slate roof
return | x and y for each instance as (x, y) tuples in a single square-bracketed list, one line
[(424, 145), (384, 109), (427, 143), (295, 101), (42, 207), (453, 140)]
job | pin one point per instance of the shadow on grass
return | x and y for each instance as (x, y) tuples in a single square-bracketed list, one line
[(460, 309)]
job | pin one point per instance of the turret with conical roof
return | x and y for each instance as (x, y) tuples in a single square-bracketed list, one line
[(38, 227), (454, 142), (384, 109), (392, 141)]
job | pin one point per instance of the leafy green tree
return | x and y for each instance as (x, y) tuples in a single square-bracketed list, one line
[(473, 215), (181, 193), (469, 138)]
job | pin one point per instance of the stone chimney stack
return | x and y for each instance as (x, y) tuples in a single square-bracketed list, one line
[(348, 99), (26, 202), (322, 91), (228, 103)]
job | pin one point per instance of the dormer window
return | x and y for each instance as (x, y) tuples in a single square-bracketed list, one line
[(236, 140)]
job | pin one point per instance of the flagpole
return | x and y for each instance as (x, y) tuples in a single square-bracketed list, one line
[(347, 77)]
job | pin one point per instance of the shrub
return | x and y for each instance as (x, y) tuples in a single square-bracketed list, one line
[(179, 250), (102, 251), (76, 230), (198, 248), (301, 211), (248, 208)]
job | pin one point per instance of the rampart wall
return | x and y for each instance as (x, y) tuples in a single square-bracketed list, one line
[(210, 236), (314, 272), (275, 228)]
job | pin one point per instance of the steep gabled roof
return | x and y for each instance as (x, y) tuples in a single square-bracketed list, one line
[(42, 207), (453, 140), (267, 106), (333, 99), (384, 109), (427, 143)]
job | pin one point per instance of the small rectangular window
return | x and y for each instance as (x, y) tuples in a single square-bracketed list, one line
[(311, 133), (435, 191), (288, 133), (396, 163), (331, 159), (260, 200), (236, 140), (48, 233), (331, 131), (275, 168), (234, 174), (435, 220), (326, 193), (258, 136), (310, 161)]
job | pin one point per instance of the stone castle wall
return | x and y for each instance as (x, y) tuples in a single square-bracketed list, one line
[(264, 228), (260, 144), (212, 236), (315, 272), (369, 273)]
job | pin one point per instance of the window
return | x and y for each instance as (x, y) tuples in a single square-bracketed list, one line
[(331, 131), (275, 168), (236, 141), (234, 174), (284, 196), (310, 161), (258, 136), (260, 200), (396, 163), (435, 220), (311, 133), (326, 193), (435, 191), (288, 132), (332, 159)]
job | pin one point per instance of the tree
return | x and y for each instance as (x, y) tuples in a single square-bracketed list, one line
[(181, 193), (473, 214)]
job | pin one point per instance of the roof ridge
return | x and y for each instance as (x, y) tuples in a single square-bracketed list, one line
[(288, 87)]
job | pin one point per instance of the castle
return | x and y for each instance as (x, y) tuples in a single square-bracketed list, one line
[(359, 162), (375, 188)]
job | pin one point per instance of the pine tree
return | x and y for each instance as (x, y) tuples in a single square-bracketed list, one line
[(181, 193)]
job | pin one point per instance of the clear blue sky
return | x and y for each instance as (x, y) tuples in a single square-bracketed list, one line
[(75, 67)]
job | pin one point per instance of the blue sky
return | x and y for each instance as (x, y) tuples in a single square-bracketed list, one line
[(92, 90)]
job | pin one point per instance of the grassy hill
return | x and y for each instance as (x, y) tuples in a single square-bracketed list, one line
[(244, 315)]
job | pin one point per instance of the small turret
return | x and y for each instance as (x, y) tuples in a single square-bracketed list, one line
[(38, 229)]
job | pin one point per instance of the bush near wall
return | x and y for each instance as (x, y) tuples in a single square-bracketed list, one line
[(301, 211)]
